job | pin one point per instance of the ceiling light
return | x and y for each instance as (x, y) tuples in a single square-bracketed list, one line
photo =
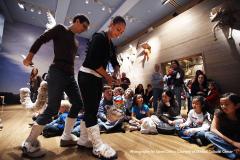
[(89, 12), (103, 8), (165, 2), (39, 11), (86, 1), (21, 5), (32, 9)]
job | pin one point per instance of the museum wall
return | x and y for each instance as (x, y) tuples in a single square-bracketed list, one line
[(186, 35)]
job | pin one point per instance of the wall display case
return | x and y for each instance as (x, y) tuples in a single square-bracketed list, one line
[(189, 64)]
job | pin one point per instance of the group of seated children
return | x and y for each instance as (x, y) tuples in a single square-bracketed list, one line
[(223, 131), (118, 106)]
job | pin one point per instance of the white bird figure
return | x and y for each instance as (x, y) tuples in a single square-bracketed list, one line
[(51, 20)]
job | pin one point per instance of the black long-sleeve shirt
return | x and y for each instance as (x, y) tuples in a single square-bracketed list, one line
[(173, 110), (100, 52), (65, 47)]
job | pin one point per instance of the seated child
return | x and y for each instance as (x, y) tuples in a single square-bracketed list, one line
[(109, 116), (139, 111), (56, 127), (198, 122), (118, 101), (225, 128), (128, 100), (107, 99)]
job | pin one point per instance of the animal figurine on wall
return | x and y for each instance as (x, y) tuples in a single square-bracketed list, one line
[(146, 51), (226, 15)]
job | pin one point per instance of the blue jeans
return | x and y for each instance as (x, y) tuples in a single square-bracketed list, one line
[(157, 93), (193, 136), (110, 126), (59, 82), (224, 147)]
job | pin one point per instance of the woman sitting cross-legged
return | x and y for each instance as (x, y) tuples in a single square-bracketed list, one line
[(198, 122), (168, 109), (225, 128), (168, 114), (139, 111)]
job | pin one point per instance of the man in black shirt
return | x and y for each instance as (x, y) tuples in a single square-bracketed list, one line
[(100, 52), (60, 79)]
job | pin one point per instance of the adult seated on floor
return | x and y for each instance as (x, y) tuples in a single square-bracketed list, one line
[(56, 127), (168, 112), (107, 121)]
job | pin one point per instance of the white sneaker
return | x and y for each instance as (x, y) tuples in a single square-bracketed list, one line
[(104, 151), (28, 147), (68, 140), (100, 150)]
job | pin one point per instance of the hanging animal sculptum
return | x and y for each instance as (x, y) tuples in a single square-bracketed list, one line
[(146, 51), (226, 15)]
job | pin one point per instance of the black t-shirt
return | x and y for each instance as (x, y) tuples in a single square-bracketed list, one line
[(172, 111), (228, 127), (100, 52), (65, 47)]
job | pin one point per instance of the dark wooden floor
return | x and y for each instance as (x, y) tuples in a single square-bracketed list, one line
[(129, 145)]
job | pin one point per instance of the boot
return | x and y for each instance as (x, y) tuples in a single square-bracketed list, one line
[(83, 141), (100, 150), (68, 139), (31, 147)]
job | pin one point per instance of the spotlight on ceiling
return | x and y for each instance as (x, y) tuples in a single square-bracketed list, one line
[(39, 11), (21, 5), (86, 1), (164, 2), (32, 9), (103, 8)]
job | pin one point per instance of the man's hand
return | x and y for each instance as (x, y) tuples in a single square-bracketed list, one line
[(28, 60), (109, 79)]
